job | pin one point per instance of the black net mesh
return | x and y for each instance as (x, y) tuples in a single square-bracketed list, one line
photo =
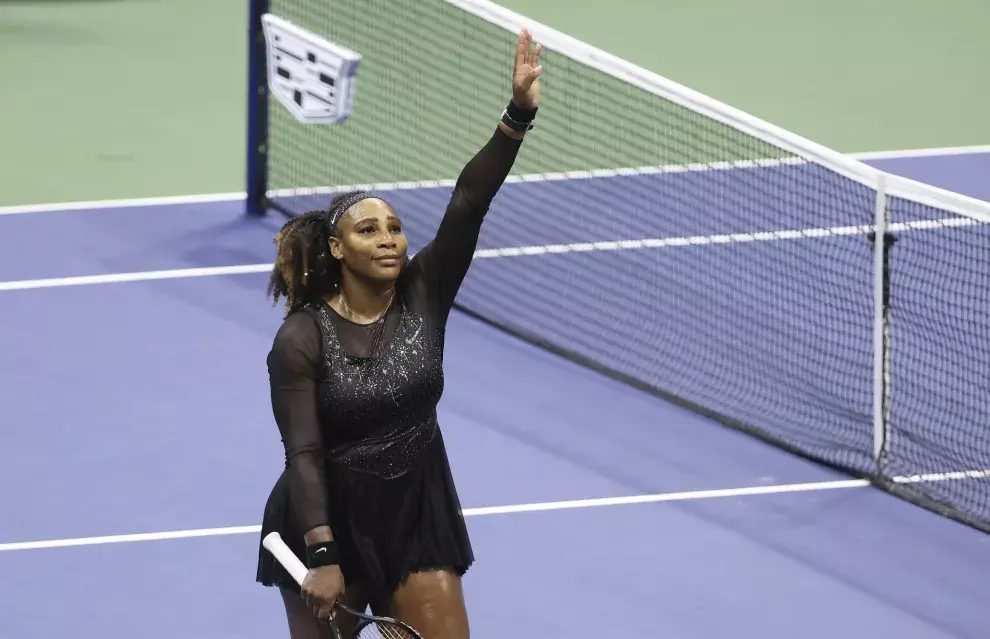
[(650, 241), (939, 353)]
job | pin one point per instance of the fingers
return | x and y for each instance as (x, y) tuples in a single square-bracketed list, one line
[(322, 608), (531, 76), (527, 81), (522, 48), (308, 599), (321, 590), (525, 52), (325, 612), (531, 55), (322, 605)]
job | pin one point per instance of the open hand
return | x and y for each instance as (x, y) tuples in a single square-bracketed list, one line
[(526, 72)]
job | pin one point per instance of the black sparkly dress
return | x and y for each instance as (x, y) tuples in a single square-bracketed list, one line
[(356, 409)]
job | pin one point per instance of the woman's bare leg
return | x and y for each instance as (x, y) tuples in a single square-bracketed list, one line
[(432, 602)]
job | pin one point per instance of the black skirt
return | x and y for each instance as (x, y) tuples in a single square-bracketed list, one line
[(386, 528)]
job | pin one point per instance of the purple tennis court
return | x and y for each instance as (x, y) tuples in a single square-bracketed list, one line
[(139, 448)]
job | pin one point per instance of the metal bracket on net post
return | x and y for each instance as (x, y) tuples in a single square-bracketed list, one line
[(881, 325), (257, 112)]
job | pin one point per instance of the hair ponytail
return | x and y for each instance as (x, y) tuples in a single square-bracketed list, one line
[(305, 272)]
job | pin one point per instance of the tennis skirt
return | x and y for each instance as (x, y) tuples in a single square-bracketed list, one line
[(385, 528)]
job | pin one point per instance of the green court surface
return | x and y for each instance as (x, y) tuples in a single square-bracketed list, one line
[(109, 99)]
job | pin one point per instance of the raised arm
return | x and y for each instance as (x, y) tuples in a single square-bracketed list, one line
[(292, 371), (448, 256)]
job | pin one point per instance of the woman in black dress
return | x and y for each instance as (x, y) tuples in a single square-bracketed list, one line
[(366, 498)]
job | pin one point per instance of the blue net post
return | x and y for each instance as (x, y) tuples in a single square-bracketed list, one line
[(257, 112)]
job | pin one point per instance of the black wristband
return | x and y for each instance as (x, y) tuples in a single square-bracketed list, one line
[(520, 114), (518, 118), (324, 553)]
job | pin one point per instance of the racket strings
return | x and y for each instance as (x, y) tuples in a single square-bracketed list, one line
[(384, 630)]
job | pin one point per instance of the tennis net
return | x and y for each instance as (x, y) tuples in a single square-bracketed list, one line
[(674, 242)]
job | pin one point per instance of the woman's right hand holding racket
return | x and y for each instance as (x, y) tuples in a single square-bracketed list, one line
[(321, 589)]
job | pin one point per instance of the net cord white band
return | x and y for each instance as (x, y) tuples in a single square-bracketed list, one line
[(296, 568), (583, 53)]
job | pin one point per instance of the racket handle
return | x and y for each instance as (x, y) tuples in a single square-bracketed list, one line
[(274, 544)]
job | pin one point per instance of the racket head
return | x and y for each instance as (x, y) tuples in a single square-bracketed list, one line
[(384, 630), (374, 627)]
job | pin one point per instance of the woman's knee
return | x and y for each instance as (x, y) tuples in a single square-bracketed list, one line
[(432, 602)]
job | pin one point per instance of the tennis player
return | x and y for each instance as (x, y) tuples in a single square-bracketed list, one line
[(366, 499)]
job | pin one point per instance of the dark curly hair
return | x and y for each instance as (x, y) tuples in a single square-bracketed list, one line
[(305, 271)]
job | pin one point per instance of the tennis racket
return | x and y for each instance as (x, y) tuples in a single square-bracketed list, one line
[(368, 626)]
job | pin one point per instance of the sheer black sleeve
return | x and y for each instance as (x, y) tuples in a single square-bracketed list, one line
[(446, 259), (292, 370)]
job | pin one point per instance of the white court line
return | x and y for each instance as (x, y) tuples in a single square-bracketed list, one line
[(907, 154), (395, 186), (525, 508), (172, 200), (138, 276), (468, 512), (513, 251), (139, 202)]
